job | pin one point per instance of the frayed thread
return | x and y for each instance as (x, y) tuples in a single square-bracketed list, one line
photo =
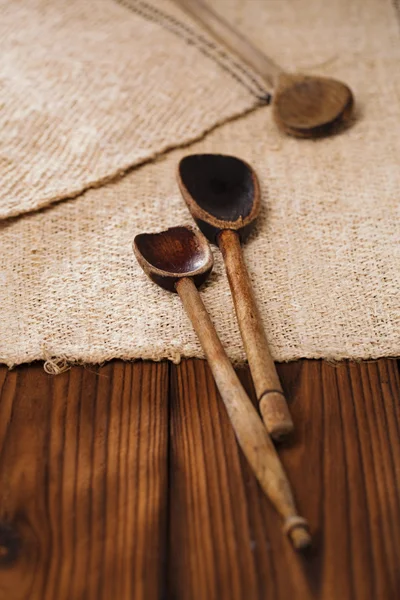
[(56, 365)]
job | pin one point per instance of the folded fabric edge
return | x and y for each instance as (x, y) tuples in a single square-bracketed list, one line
[(119, 173), (55, 365)]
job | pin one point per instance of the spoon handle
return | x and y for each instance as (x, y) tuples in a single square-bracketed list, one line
[(249, 429), (272, 402), (232, 39)]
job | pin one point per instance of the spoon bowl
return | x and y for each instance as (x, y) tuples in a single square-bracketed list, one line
[(222, 192), (173, 254), (309, 107)]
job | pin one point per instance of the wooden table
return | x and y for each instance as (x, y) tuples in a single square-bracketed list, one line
[(125, 481)]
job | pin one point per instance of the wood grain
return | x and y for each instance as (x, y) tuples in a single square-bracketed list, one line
[(83, 472), (344, 466), (100, 500)]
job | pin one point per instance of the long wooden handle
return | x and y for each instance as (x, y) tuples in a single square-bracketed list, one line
[(249, 429), (232, 39), (272, 402)]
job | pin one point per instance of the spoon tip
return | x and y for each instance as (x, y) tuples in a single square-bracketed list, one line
[(297, 530)]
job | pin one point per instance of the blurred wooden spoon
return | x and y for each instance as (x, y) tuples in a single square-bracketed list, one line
[(303, 105)]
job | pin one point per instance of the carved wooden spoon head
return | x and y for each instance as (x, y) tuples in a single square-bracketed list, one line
[(222, 192), (173, 254), (306, 106)]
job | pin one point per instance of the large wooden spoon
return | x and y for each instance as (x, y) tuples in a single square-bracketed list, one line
[(180, 259), (303, 105), (222, 193)]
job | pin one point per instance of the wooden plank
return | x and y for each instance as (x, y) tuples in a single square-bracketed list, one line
[(209, 528), (225, 540), (83, 472), (84, 490)]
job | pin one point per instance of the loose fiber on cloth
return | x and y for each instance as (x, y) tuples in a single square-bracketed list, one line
[(90, 88), (324, 259)]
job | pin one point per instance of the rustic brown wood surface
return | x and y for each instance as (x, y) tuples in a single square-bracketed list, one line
[(126, 481)]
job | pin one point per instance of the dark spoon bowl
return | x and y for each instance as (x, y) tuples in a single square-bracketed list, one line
[(173, 254), (222, 192)]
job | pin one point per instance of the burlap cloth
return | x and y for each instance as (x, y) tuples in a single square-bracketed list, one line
[(325, 258), (90, 88)]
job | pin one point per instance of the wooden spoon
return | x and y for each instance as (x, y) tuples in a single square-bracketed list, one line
[(180, 259), (303, 105), (223, 195)]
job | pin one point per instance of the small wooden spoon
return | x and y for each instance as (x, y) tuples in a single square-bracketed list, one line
[(303, 105), (180, 259), (222, 193)]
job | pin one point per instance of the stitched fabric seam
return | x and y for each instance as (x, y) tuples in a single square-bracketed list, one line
[(396, 6), (213, 51)]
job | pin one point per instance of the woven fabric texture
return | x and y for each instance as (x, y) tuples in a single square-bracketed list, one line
[(325, 256), (89, 89)]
